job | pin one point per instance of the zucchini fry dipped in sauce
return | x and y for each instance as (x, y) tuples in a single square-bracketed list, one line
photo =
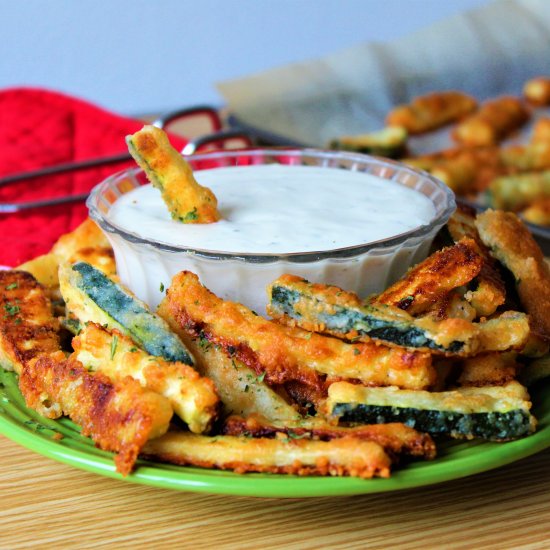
[(347, 456), (497, 413), (431, 111), (166, 169), (118, 416), (193, 398), (287, 355), (27, 325), (92, 296)]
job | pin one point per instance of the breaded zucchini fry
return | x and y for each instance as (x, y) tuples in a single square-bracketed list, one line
[(92, 296), (537, 91), (518, 191), (340, 457), (431, 111), (537, 212), (431, 280), (492, 122), (27, 325), (497, 413), (488, 369), (508, 331), (193, 398), (526, 158), (331, 310), (166, 169), (287, 354), (541, 131), (511, 243), (396, 438), (241, 391), (390, 142), (118, 416)]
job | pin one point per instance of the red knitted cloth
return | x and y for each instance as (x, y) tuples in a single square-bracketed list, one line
[(41, 128)]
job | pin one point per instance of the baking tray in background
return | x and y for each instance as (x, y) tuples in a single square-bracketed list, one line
[(418, 145)]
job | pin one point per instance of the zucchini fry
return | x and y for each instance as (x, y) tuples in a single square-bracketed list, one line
[(329, 309), (537, 91), (396, 439), (390, 142), (508, 331), (119, 416), (431, 111), (486, 292), (347, 456), (241, 391), (27, 325), (287, 354), (431, 280), (166, 169), (92, 296), (492, 122), (193, 398), (538, 212), (511, 243), (518, 191), (497, 413), (532, 157), (488, 369)]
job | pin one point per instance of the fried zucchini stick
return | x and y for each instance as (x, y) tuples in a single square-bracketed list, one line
[(347, 456), (166, 169), (329, 309), (511, 243), (488, 369), (396, 438), (518, 191), (287, 354), (495, 120), (193, 398), (537, 91), (27, 325), (431, 280), (431, 111), (118, 416)]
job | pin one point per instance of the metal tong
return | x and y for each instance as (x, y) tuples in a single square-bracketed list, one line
[(218, 137)]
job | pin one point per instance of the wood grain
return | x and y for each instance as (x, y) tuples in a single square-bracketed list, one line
[(43, 502)]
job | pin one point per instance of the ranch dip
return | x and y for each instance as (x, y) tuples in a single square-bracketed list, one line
[(277, 208), (281, 209)]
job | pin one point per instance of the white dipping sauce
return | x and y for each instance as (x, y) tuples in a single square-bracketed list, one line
[(281, 209)]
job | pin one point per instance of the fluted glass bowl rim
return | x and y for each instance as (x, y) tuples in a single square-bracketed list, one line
[(324, 157)]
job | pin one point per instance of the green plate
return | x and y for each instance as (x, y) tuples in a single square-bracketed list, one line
[(455, 459)]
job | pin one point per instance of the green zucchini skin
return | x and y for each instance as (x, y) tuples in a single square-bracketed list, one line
[(497, 413), (367, 320), (495, 426), (145, 328)]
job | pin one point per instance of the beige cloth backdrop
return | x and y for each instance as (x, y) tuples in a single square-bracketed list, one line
[(486, 52)]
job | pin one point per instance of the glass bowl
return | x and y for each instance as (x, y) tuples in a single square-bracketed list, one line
[(147, 266)]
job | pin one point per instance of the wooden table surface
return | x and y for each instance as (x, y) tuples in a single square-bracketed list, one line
[(45, 503)]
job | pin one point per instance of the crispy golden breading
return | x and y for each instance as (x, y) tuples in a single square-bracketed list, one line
[(487, 291), (396, 439), (87, 243), (537, 212), (518, 191), (193, 398), (431, 280), (166, 169), (513, 245), (508, 331), (27, 325), (118, 416), (525, 158), (328, 309), (488, 369), (431, 111), (241, 390), (287, 354), (537, 91), (347, 456), (492, 122)]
